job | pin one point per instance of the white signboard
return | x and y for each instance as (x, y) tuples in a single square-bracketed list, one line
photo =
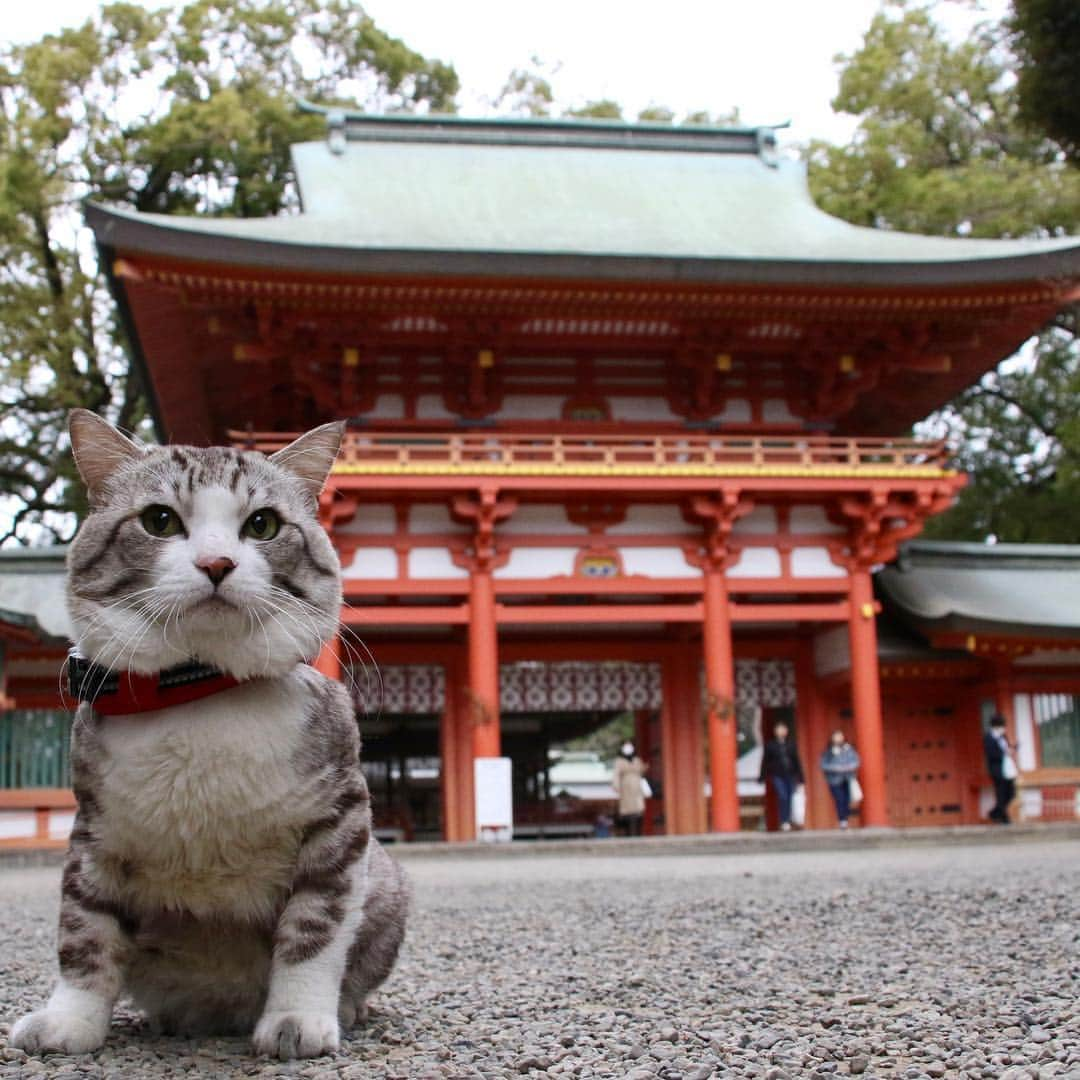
[(494, 799)]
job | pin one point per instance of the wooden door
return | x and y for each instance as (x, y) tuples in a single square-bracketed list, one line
[(923, 775)]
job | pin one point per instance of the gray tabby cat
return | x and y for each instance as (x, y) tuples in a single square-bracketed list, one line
[(222, 873)]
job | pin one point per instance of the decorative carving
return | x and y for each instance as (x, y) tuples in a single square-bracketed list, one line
[(483, 510), (477, 710), (878, 522), (335, 508), (719, 514)]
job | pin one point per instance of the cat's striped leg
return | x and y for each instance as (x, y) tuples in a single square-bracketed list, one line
[(315, 933), (92, 943)]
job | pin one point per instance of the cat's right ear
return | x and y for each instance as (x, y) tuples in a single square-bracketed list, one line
[(99, 449)]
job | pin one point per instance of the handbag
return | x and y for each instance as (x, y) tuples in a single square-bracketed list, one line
[(646, 789), (798, 806), (855, 791)]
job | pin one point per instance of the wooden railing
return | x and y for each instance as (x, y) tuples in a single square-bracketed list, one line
[(479, 452)]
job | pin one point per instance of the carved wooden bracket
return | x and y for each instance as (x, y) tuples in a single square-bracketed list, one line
[(879, 522), (335, 508), (719, 514), (483, 511)]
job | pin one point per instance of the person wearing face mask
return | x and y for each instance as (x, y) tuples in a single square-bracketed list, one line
[(629, 783), (840, 763)]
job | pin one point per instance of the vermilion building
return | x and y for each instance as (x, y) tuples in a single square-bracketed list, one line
[(628, 430)]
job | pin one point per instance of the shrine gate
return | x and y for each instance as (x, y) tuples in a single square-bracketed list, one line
[(617, 395)]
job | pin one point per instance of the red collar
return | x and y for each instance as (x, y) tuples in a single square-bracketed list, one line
[(124, 693)]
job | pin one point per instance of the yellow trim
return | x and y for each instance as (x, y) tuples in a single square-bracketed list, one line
[(495, 468)]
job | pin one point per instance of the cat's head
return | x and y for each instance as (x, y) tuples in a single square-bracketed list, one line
[(215, 554)]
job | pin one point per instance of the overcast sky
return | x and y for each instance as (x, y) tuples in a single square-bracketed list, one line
[(773, 59)]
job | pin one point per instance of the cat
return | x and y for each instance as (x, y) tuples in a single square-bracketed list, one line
[(221, 872)]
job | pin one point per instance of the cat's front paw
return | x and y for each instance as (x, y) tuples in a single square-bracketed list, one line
[(288, 1035), (55, 1031)]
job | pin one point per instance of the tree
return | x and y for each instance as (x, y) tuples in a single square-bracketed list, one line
[(173, 111), (942, 148), (1046, 39)]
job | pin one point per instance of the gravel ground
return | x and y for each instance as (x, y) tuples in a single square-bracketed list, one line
[(897, 962)]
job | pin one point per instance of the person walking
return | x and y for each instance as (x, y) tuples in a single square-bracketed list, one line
[(840, 763), (630, 788), (1001, 767), (781, 769)]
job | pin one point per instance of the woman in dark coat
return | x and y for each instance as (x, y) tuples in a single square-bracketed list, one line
[(781, 770)]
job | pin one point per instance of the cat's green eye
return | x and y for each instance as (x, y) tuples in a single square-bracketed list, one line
[(262, 525), (162, 521)]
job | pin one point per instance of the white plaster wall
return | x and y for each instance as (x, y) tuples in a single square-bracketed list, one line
[(776, 411), (431, 407), (811, 519), (387, 407), (831, 651), (659, 562), (1031, 804), (761, 521), (1026, 757), (433, 562), (373, 564), (538, 563), (757, 562), (17, 823), (377, 518), (531, 407), (539, 521), (736, 411), (814, 562), (641, 408), (430, 518), (644, 518), (60, 823)]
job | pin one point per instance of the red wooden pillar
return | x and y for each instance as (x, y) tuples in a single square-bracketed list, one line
[(483, 665), (450, 787), (691, 741), (669, 714), (812, 738), (866, 696), (329, 659), (720, 703), (720, 513), (478, 720)]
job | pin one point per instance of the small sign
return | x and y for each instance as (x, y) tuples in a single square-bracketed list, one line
[(494, 799)]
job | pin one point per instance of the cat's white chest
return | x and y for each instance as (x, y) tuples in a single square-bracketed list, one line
[(202, 805)]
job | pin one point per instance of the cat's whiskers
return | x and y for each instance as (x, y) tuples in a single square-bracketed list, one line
[(348, 636)]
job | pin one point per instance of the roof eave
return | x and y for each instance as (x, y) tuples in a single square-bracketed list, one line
[(123, 232)]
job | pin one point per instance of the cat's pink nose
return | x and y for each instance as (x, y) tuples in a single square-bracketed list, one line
[(215, 569)]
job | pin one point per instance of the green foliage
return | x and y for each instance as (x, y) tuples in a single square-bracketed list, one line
[(607, 740), (1046, 39), (188, 110), (602, 109), (657, 114), (942, 148), (1019, 439)]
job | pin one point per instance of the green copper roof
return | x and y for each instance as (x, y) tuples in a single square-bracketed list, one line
[(1007, 588), (555, 199)]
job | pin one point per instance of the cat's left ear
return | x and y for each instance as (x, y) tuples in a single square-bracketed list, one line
[(99, 449), (311, 456)]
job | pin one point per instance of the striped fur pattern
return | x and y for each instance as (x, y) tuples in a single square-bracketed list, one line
[(221, 873)]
